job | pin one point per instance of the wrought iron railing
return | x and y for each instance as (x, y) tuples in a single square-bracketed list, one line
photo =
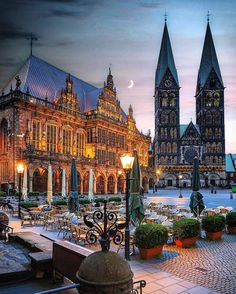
[(138, 286), (5, 229)]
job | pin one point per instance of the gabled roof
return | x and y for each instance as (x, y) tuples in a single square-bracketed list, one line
[(183, 129), (230, 162), (165, 60), (209, 60), (45, 80)]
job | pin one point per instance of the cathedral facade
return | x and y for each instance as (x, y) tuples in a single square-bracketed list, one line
[(175, 144), (48, 117)]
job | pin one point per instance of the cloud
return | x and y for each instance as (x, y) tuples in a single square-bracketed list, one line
[(63, 13), (9, 62), (149, 4), (10, 31)]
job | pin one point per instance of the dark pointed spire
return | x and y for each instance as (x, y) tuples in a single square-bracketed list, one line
[(166, 59), (130, 110), (69, 84), (110, 83), (209, 59)]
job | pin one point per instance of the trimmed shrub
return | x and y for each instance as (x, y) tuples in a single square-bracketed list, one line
[(231, 219), (213, 223), (114, 199), (186, 228), (59, 202), (29, 204), (3, 194), (150, 235), (34, 193), (97, 200), (84, 201)]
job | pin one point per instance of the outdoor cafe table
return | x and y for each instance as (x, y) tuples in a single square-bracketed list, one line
[(35, 215)]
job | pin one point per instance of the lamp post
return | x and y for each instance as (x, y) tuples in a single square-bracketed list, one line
[(158, 178), (20, 170), (127, 163), (180, 186)]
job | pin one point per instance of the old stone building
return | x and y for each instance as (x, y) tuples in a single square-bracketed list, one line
[(48, 117), (175, 145)]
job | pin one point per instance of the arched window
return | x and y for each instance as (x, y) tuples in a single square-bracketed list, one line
[(80, 143), (219, 147), (3, 136), (208, 118), (173, 117), (174, 148), (168, 147)]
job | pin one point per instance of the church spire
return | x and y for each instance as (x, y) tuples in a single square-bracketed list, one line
[(166, 59), (209, 60), (110, 84)]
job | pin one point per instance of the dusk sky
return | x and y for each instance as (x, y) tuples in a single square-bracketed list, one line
[(84, 37)]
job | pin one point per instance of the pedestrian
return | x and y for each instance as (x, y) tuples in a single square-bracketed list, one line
[(156, 187)]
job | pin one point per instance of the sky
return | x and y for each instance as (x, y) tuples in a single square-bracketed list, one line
[(85, 37)]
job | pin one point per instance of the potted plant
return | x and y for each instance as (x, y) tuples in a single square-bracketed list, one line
[(213, 225), (231, 222), (185, 232), (150, 238)]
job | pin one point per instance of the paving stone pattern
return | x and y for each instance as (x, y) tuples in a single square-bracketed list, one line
[(211, 264), (13, 258)]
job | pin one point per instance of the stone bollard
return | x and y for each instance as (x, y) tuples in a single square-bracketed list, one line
[(105, 273)]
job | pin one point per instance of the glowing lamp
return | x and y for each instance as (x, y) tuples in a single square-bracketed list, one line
[(127, 161), (20, 168)]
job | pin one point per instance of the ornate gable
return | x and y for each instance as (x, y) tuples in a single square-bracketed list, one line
[(108, 104)]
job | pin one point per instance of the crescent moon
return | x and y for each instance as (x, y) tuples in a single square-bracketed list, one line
[(131, 84)]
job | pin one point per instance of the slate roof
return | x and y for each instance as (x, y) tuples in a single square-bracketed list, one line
[(166, 59), (45, 80), (230, 162), (209, 60)]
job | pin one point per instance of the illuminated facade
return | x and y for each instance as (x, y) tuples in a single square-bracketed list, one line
[(176, 145), (51, 117)]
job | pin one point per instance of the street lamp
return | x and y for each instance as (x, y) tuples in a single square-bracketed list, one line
[(158, 178), (180, 186), (20, 170), (127, 163)]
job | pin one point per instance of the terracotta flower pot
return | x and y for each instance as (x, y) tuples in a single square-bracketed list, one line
[(184, 243), (232, 230), (214, 236), (150, 252)]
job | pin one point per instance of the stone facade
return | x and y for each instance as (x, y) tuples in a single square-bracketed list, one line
[(39, 131), (176, 145)]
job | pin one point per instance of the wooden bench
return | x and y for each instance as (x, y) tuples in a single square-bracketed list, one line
[(67, 258)]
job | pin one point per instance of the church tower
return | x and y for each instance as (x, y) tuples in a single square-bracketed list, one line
[(166, 106), (210, 105)]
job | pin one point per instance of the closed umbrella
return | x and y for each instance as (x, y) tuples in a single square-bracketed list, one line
[(136, 204), (63, 183), (73, 200), (24, 186), (49, 189), (90, 190), (196, 200)]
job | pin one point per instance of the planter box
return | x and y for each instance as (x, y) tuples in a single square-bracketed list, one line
[(231, 230), (214, 236), (150, 252), (184, 243)]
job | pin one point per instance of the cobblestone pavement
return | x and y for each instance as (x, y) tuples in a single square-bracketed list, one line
[(13, 258), (209, 264)]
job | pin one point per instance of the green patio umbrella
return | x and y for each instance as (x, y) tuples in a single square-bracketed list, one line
[(135, 203), (196, 200), (73, 200)]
